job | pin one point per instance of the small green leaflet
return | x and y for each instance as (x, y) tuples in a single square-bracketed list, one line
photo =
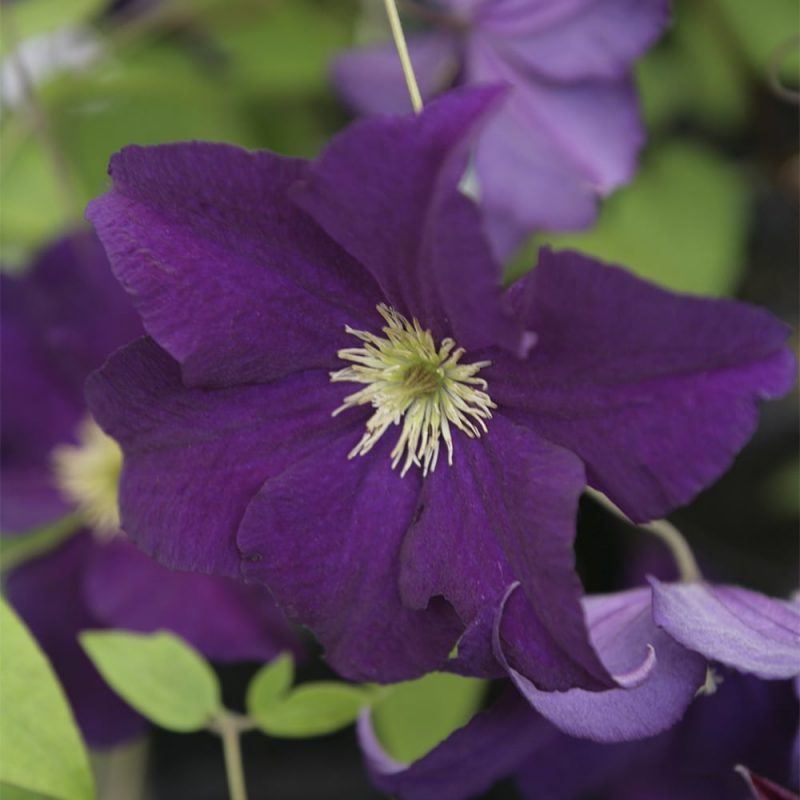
[(42, 751), (158, 674), (415, 716), (270, 685)]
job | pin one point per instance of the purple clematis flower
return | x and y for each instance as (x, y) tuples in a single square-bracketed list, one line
[(743, 721), (60, 321), (568, 133), (304, 413)]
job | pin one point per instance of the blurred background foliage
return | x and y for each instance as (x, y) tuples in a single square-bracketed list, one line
[(713, 210)]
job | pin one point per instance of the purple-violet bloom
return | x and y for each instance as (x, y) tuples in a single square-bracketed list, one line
[(305, 414), (745, 720), (59, 321), (569, 131)]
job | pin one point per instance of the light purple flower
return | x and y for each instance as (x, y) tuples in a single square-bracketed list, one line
[(568, 133), (743, 721), (258, 279), (60, 320)]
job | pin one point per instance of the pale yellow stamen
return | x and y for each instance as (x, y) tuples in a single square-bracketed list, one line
[(411, 381), (87, 474)]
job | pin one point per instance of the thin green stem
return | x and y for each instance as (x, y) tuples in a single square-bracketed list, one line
[(688, 569), (402, 51), (229, 726)]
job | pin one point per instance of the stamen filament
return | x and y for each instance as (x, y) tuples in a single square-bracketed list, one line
[(402, 51)]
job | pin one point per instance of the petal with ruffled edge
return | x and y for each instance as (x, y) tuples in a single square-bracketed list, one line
[(230, 278), (551, 150), (655, 690), (387, 190), (325, 536), (194, 458), (585, 40), (225, 619), (655, 391), (371, 79), (48, 594), (505, 512), (743, 629)]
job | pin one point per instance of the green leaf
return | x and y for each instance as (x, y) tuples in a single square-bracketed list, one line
[(35, 17), (312, 709), (415, 716), (17, 548), (270, 685), (682, 223), (42, 751), (158, 674)]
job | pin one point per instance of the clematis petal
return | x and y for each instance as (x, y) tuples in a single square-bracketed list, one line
[(505, 512), (623, 631), (194, 458), (574, 41), (656, 392), (371, 80), (573, 143), (48, 594), (325, 534), (737, 627), (387, 191), (225, 619), (231, 279), (492, 745)]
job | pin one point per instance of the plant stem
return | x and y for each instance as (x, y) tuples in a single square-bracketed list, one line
[(681, 552), (402, 51), (229, 727)]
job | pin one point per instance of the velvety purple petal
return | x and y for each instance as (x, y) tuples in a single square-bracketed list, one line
[(48, 594), (371, 80), (564, 41), (29, 499), (742, 629), (194, 458), (655, 391), (387, 190), (225, 619), (493, 745), (505, 512), (230, 278), (325, 536), (551, 150), (623, 631)]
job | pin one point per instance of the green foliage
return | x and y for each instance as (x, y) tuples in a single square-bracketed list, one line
[(158, 674), (313, 709), (42, 751), (270, 685), (415, 716), (17, 548), (35, 17), (682, 223)]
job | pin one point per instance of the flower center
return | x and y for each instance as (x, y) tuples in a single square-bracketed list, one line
[(87, 474), (409, 380)]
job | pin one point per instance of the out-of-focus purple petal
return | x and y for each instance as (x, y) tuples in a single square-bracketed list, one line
[(494, 744), (737, 627), (515, 497), (225, 619), (371, 79), (598, 39), (622, 629), (48, 594), (325, 536), (387, 191), (230, 278), (656, 392), (194, 458)]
